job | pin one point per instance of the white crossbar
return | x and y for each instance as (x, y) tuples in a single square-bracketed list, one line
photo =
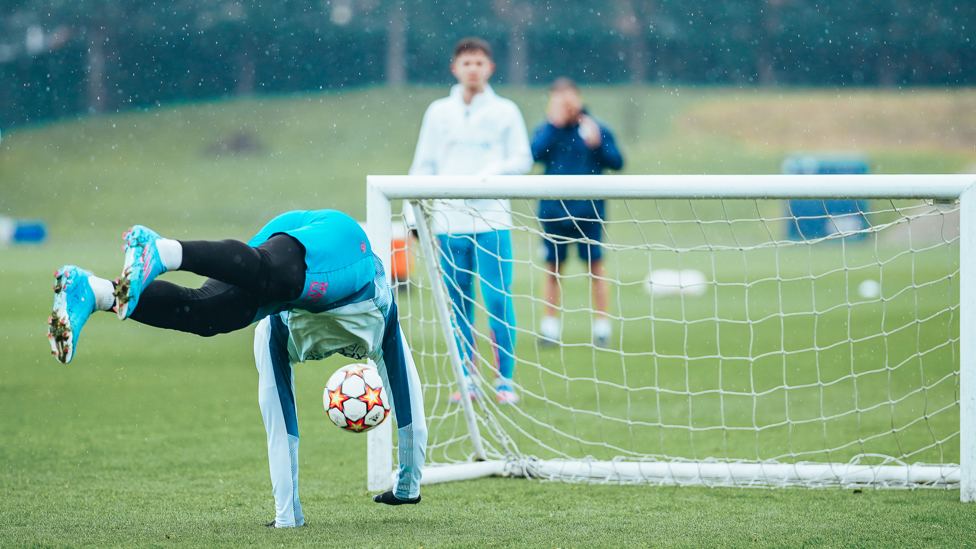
[(937, 187)]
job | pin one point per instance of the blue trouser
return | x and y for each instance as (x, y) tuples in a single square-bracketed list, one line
[(487, 255)]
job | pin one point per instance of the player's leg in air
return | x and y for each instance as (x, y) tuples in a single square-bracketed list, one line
[(242, 280), (247, 281)]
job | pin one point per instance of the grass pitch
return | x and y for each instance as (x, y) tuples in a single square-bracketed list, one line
[(155, 438)]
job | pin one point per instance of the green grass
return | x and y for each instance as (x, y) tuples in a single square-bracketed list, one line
[(152, 437)]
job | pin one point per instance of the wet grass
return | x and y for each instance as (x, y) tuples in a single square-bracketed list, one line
[(152, 437)]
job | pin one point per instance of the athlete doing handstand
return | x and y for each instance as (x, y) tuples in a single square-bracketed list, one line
[(311, 282)]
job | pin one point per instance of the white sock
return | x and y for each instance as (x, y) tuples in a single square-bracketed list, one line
[(550, 327), (601, 328), (170, 253), (104, 300)]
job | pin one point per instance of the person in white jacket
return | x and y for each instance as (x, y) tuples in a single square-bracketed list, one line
[(475, 132)]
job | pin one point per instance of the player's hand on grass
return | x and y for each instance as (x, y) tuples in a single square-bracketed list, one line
[(390, 499)]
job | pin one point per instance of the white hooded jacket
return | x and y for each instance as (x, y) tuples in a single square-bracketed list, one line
[(487, 137)]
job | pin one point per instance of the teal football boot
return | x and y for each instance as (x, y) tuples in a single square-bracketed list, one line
[(74, 302), (142, 266)]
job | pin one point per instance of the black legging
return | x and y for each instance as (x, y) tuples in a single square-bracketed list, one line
[(241, 279)]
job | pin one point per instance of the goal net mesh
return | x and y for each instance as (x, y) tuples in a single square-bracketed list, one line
[(738, 337)]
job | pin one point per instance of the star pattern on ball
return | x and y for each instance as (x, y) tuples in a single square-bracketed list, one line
[(342, 398), (356, 426), (372, 398), (336, 399)]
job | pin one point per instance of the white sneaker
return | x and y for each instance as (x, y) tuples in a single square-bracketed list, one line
[(602, 332), (549, 330)]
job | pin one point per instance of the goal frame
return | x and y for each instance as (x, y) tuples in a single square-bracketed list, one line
[(381, 190)]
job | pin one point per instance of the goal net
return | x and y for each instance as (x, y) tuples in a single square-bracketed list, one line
[(746, 349)]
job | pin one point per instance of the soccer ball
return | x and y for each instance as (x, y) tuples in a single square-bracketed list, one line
[(355, 398)]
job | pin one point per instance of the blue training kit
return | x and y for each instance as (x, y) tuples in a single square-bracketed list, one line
[(327, 296), (346, 308), (338, 258)]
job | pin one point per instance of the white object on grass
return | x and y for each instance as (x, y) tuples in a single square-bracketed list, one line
[(662, 282), (869, 289)]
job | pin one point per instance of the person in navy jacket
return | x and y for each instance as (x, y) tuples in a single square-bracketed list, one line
[(571, 142)]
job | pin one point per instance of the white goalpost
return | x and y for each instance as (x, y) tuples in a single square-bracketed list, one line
[(744, 352)]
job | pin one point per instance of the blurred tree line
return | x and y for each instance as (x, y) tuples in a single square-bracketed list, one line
[(64, 57)]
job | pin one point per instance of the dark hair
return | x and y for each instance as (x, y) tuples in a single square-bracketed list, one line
[(472, 44), (563, 83)]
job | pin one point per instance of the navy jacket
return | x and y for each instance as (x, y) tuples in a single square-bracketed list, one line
[(564, 152)]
